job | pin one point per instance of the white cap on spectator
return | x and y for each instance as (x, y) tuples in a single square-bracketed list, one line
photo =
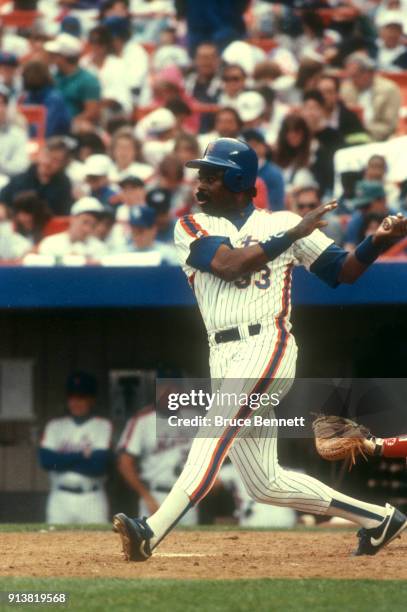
[(244, 55), (87, 205), (362, 60), (250, 105), (391, 18), (160, 120), (170, 55), (64, 44), (97, 165)]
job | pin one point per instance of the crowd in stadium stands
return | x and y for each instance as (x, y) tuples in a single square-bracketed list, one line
[(103, 101)]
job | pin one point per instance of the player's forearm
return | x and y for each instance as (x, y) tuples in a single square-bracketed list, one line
[(58, 462), (364, 256), (95, 465), (129, 473), (231, 264)]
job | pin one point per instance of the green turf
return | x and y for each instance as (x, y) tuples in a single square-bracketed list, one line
[(217, 596)]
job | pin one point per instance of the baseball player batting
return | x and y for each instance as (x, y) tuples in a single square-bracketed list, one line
[(239, 261)]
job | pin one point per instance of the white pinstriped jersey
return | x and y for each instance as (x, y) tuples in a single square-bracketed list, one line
[(161, 459), (64, 435), (261, 297)]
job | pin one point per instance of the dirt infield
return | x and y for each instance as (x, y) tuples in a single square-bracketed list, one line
[(210, 555)]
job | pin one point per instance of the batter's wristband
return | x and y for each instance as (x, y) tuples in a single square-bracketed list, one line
[(366, 252), (274, 246)]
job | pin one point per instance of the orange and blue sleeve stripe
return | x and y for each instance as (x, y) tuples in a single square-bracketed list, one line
[(192, 228)]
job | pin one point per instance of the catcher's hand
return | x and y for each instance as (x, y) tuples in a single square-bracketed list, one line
[(338, 438)]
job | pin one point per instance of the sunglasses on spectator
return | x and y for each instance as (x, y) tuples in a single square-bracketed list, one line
[(310, 205), (232, 77)]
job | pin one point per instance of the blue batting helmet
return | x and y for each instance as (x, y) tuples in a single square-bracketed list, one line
[(234, 156)]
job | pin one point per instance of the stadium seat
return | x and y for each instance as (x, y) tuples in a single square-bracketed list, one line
[(19, 19), (36, 115), (56, 225)]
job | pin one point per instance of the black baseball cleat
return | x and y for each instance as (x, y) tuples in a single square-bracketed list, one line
[(135, 535), (372, 540)]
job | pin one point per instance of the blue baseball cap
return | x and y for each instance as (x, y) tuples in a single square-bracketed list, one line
[(71, 25), (367, 192), (81, 383), (142, 216), (8, 59), (117, 26)]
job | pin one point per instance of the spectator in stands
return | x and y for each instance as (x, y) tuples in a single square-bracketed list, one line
[(307, 198), (97, 169), (80, 88), (88, 143), (308, 75), (12, 42), (9, 65), (227, 125), (170, 176), (379, 97), (144, 231), (268, 171), (218, 22), (392, 50), (326, 140), (338, 115), (30, 216), (133, 193), (12, 244), (39, 89), (79, 238), (204, 83), (311, 39), (160, 201), (46, 177), (104, 229), (184, 117), (370, 199), (76, 451), (233, 83), (251, 107), (114, 8), (125, 151), (168, 90), (274, 113), (186, 147), (13, 141), (293, 151), (157, 130), (110, 70), (168, 52), (376, 169), (133, 55)]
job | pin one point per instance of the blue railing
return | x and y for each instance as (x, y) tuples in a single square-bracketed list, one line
[(94, 287)]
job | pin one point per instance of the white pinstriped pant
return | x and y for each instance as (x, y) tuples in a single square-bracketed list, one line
[(266, 364)]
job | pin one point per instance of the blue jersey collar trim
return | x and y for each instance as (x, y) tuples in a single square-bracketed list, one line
[(240, 218)]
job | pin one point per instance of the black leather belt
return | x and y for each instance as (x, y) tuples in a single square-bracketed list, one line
[(233, 334), (161, 489), (78, 490)]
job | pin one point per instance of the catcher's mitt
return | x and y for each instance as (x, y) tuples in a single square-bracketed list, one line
[(338, 438)]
